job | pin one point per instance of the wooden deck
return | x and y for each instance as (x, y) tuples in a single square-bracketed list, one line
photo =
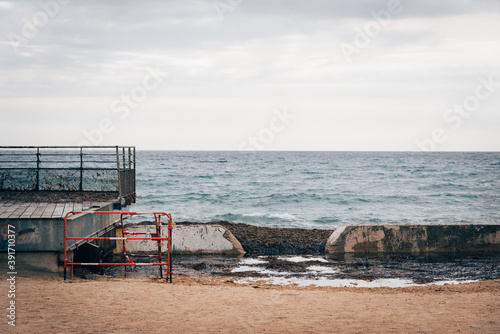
[(32, 210)]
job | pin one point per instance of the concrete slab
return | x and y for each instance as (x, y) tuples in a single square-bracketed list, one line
[(46, 261), (463, 238), (190, 239)]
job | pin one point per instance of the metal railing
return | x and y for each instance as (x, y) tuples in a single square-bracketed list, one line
[(69, 168), (159, 237)]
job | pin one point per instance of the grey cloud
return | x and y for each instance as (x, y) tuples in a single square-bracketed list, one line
[(260, 51), (346, 9)]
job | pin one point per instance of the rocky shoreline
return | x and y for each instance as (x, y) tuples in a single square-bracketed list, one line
[(260, 240), (300, 254)]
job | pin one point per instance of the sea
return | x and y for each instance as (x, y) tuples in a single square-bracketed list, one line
[(320, 189)]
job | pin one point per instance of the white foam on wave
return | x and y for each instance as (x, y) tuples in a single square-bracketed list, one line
[(284, 216)]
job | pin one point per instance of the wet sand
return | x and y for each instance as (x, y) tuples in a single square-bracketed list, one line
[(211, 305)]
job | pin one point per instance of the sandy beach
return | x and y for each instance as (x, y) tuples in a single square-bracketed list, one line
[(45, 304)]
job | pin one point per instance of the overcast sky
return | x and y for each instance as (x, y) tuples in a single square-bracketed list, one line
[(247, 74)]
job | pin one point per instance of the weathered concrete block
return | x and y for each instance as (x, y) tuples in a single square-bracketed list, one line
[(190, 239), (464, 238), (46, 261)]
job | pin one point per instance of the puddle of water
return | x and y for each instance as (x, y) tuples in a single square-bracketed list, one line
[(252, 261), (304, 270), (297, 259), (322, 270), (242, 269)]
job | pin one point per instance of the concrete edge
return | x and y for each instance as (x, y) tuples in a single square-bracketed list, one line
[(334, 237), (237, 247)]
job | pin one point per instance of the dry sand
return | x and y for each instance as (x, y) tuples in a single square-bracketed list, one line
[(211, 305)]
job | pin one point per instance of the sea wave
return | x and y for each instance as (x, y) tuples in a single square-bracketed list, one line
[(256, 217), (327, 220)]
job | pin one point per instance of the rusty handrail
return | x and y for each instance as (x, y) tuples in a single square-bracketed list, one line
[(127, 261)]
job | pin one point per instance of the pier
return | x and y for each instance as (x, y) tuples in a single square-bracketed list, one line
[(39, 185)]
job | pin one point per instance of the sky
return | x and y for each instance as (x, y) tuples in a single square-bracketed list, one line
[(252, 74)]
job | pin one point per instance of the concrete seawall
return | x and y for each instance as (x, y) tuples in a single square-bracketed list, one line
[(224, 238), (460, 238), (191, 239), (213, 238)]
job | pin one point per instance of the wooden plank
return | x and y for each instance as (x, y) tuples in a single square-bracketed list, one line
[(9, 210), (29, 211), (19, 210), (47, 213), (68, 208), (58, 211), (4, 206), (39, 210), (86, 205), (78, 206)]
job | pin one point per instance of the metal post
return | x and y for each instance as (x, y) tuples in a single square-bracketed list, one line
[(170, 255), (124, 247), (81, 168), (118, 171), (129, 158), (134, 157), (65, 243), (133, 177), (159, 242), (124, 180), (37, 169), (129, 177)]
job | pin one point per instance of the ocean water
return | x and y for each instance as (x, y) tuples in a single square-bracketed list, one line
[(321, 189)]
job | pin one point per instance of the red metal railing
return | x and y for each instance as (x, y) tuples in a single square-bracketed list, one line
[(127, 261)]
